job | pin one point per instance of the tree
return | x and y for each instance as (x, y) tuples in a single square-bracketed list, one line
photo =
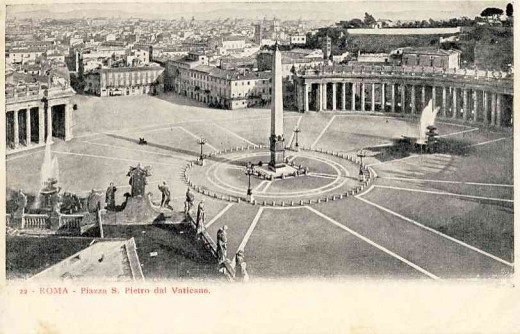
[(509, 10), (369, 20), (492, 11)]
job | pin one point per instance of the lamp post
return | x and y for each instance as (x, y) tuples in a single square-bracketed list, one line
[(361, 155), (202, 141), (297, 130), (250, 170)]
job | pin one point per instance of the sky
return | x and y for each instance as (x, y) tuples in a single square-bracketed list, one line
[(287, 10)]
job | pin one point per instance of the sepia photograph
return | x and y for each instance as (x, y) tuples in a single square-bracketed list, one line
[(257, 142)]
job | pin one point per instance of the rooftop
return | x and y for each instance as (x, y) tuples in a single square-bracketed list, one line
[(231, 75), (430, 51), (116, 259)]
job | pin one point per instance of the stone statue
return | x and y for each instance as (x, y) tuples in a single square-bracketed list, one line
[(110, 197), (137, 180), (201, 218), (94, 201), (165, 198), (21, 203), (222, 244), (189, 201)]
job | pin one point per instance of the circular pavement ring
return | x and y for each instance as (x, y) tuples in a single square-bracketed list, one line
[(298, 195), (311, 192)]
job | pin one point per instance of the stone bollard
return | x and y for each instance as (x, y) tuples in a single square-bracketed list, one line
[(301, 202), (254, 202), (283, 203), (318, 200), (274, 203), (326, 199), (341, 196), (264, 203), (292, 203)]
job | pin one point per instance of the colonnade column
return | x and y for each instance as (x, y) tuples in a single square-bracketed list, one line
[(324, 96), (362, 97), (499, 110), (486, 107), (403, 98), (41, 125), (493, 108), (16, 129), (49, 121), (465, 104), (383, 102), (393, 98), (68, 122), (454, 106), (444, 106), (319, 104), (353, 96), (343, 96), (475, 106), (423, 97), (305, 97), (412, 99), (373, 98), (434, 97), (27, 126), (334, 96)]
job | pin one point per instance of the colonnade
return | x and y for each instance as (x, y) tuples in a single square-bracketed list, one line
[(32, 124), (467, 103)]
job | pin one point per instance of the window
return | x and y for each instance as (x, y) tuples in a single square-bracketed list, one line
[(248, 83)]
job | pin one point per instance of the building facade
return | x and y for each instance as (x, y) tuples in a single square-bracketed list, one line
[(446, 59), (125, 81), (216, 87)]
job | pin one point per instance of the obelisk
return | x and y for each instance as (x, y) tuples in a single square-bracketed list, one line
[(276, 140)]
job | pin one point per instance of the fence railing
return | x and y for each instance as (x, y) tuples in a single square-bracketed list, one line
[(70, 222), (35, 221)]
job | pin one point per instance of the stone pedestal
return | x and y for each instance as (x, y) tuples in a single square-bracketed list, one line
[(277, 148)]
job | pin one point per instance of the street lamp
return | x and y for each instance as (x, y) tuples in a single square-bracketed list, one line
[(297, 130), (361, 155), (202, 141), (250, 170)]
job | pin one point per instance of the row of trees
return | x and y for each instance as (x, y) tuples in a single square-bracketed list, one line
[(497, 12), (369, 21)]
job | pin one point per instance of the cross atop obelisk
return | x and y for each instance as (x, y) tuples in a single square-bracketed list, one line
[(276, 140)]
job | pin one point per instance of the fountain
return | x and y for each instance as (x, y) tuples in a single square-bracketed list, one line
[(426, 124), (49, 175)]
